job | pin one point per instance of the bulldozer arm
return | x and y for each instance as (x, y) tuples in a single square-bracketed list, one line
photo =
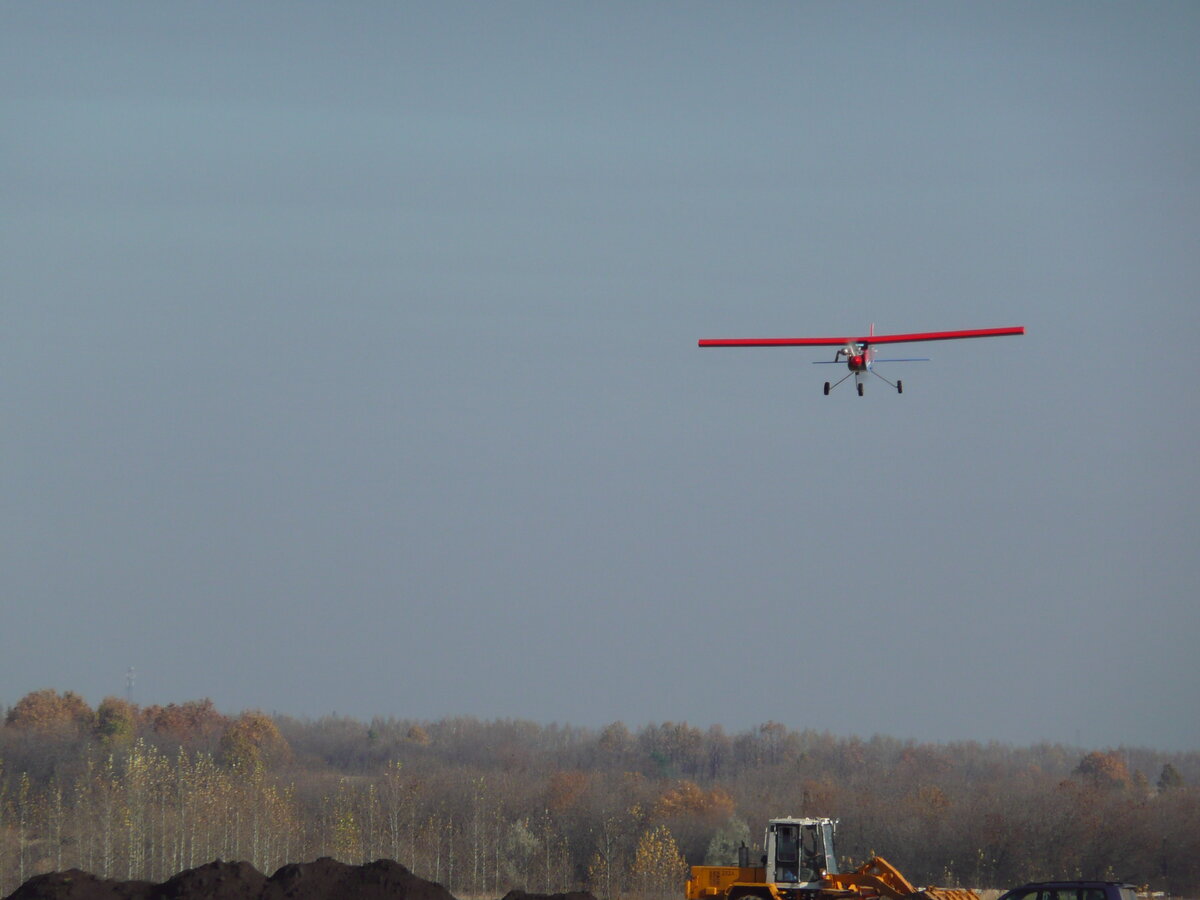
[(878, 877)]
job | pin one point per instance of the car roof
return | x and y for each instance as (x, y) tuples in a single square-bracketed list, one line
[(1073, 883)]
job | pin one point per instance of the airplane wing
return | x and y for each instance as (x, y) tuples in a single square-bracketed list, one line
[(939, 335), (861, 339)]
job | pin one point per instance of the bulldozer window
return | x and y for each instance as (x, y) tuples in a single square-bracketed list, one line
[(830, 863), (787, 844), (810, 845)]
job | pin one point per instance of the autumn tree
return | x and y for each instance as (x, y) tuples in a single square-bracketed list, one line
[(417, 735), (565, 789), (195, 724), (345, 826), (617, 819), (693, 814), (48, 711), (253, 739), (614, 744), (603, 871), (1106, 771), (659, 869)]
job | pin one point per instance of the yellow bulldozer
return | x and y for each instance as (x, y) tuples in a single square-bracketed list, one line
[(799, 863)]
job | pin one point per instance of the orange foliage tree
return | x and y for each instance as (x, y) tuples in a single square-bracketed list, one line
[(191, 723), (47, 710), (1106, 771), (254, 740)]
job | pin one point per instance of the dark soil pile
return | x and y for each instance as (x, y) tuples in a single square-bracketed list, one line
[(570, 895), (74, 884), (229, 881), (325, 879)]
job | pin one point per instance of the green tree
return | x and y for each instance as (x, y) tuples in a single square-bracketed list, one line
[(1169, 779), (723, 847), (521, 846), (116, 721)]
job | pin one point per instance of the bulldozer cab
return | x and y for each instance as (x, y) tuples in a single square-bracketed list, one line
[(798, 851)]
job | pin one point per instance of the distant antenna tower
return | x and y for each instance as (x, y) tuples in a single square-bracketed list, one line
[(129, 685)]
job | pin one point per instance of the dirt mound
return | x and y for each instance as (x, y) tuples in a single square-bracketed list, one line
[(74, 884), (325, 879), (570, 895), (328, 879), (226, 880)]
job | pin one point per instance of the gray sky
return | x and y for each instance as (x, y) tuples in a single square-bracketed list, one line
[(348, 362)]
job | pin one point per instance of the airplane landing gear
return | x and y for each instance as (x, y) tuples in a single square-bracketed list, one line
[(898, 385), (829, 387), (860, 389)]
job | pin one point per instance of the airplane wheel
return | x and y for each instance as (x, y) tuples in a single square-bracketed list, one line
[(899, 387), (827, 389), (860, 390)]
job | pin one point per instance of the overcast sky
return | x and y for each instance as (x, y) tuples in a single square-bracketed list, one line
[(348, 362)]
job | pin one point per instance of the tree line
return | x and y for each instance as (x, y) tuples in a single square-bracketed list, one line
[(486, 806)]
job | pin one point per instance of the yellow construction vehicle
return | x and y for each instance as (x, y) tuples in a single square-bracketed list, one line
[(799, 863)]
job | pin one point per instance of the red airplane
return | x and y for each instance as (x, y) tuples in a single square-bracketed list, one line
[(859, 352)]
